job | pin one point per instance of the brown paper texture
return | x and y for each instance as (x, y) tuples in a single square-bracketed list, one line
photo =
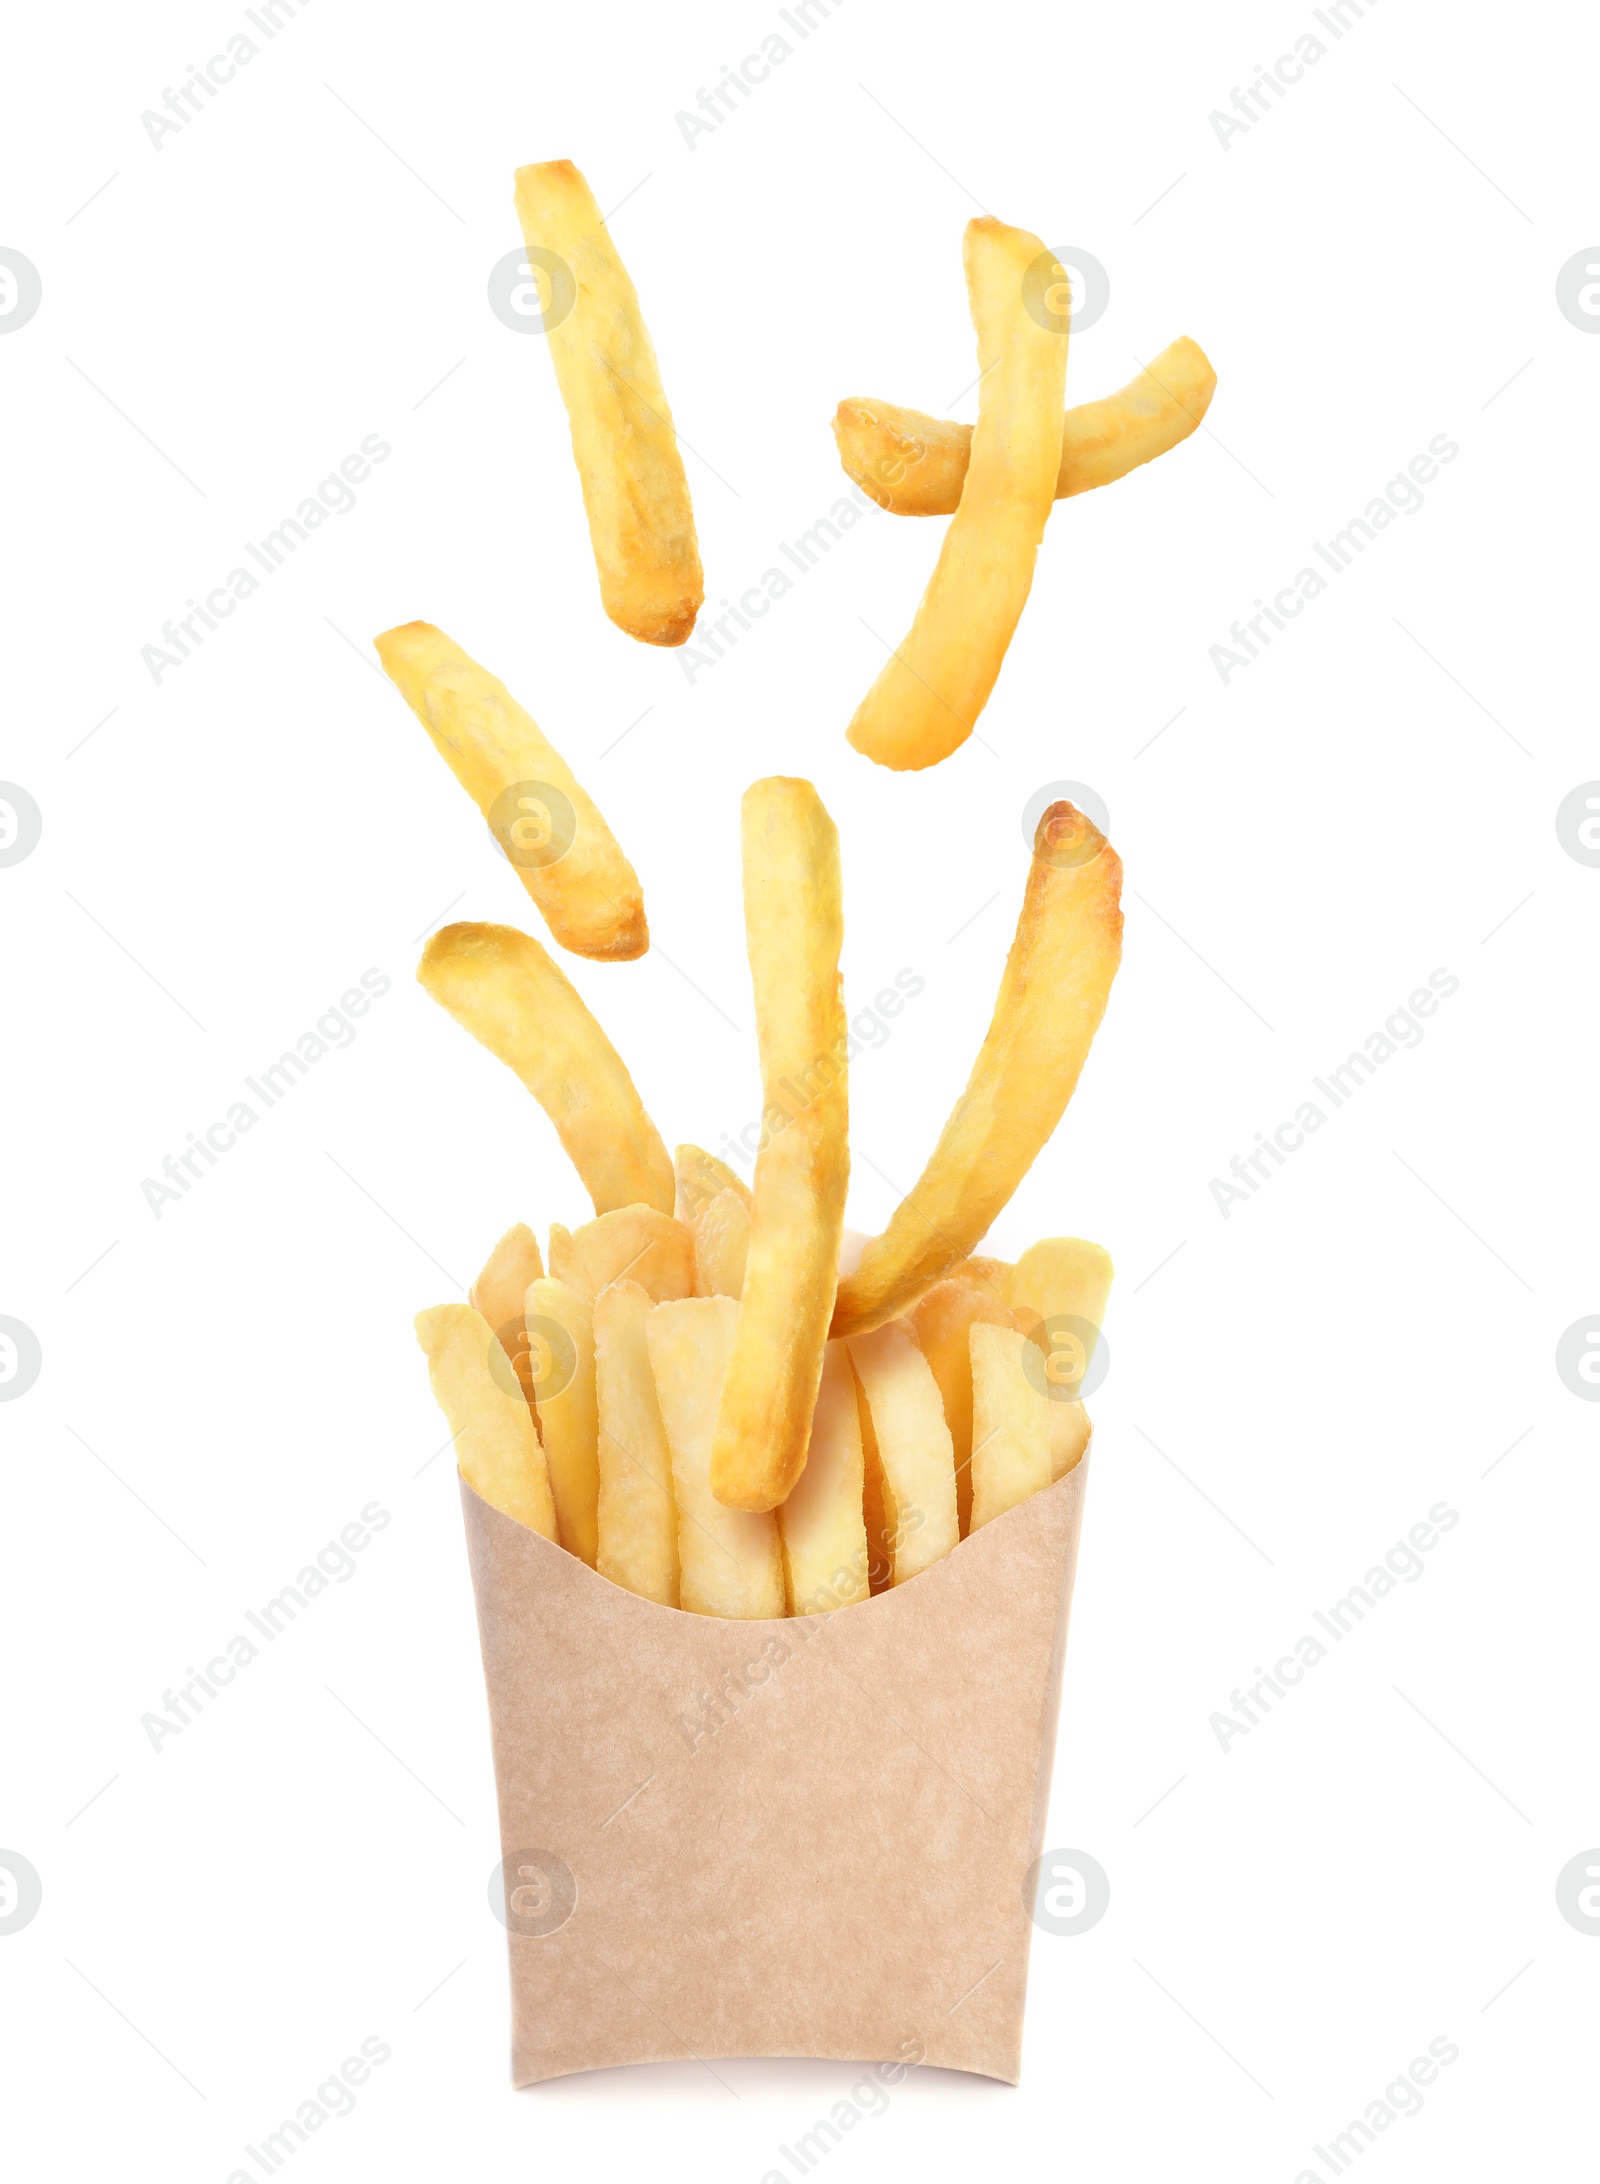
[(799, 1837)]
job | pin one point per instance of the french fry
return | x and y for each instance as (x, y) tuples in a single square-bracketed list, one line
[(730, 1561), (498, 1293), (824, 1535), (514, 1262), (560, 1327), (641, 524), (926, 701), (876, 1515), (1052, 996), (635, 1243), (1010, 1423), (916, 1457), (1071, 1431), (1060, 1287), (992, 1276), (700, 1177), (506, 990), (721, 1246), (497, 1450), (943, 1320), (637, 1518), (562, 850), (794, 927), (914, 465)]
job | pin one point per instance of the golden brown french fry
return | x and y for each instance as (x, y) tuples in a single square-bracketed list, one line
[(992, 1276), (635, 1243), (701, 1176), (1060, 1288), (916, 466), (514, 1262), (927, 699), (1064, 1277), (915, 1453), (943, 1320), (637, 1517), (1010, 1422), (1052, 996), (824, 1535), (730, 1562), (498, 1293), (560, 1327), (721, 1246), (794, 928), (1070, 1434), (875, 1500), (497, 1450), (641, 524), (506, 990), (563, 852)]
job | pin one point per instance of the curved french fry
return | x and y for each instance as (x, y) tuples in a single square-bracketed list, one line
[(563, 852), (641, 524), (497, 1450), (794, 928), (506, 990), (1052, 996), (926, 701), (914, 465)]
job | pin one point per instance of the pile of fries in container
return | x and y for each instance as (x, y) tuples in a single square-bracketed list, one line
[(715, 1394)]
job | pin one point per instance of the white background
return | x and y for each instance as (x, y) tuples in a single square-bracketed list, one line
[(1292, 1387)]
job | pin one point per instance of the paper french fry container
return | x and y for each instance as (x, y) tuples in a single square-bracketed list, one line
[(802, 1837)]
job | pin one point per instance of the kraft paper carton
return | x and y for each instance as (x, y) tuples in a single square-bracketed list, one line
[(800, 1837)]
